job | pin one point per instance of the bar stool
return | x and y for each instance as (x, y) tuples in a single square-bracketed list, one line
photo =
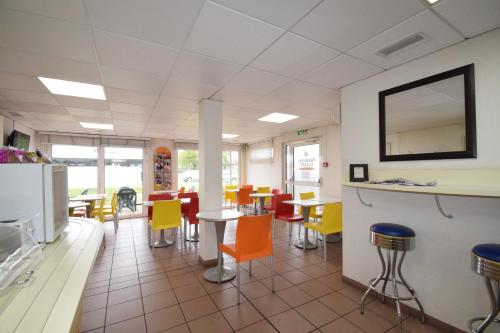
[(394, 238), (486, 262)]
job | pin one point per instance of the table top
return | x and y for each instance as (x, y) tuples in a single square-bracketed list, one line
[(165, 191), (88, 197), (76, 204), (306, 203), (219, 215), (150, 203), (261, 195)]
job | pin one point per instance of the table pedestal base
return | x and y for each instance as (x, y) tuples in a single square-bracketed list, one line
[(162, 242), (228, 273), (309, 246)]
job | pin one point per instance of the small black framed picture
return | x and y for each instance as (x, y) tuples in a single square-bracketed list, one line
[(358, 172)]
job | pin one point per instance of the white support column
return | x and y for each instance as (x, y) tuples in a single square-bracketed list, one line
[(210, 165)]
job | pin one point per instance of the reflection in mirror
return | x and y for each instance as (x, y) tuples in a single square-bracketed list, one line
[(426, 119), (431, 118)]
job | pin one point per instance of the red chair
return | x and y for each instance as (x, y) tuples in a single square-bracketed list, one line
[(154, 197), (194, 208), (285, 212), (185, 207), (247, 186), (276, 191), (272, 207)]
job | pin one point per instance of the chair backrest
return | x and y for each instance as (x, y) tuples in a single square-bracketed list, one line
[(114, 202), (281, 208), (194, 208), (247, 186), (230, 195), (276, 191), (244, 196), (263, 189), (98, 212), (84, 192), (182, 189), (332, 218), (166, 214), (254, 236), (181, 195), (306, 196), (154, 197)]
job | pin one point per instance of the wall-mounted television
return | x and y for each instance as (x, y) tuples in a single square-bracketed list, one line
[(19, 140)]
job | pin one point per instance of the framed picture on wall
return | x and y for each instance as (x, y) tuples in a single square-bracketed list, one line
[(358, 172)]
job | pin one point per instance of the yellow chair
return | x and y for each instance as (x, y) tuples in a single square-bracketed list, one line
[(111, 209), (231, 196), (98, 211), (331, 223), (264, 190), (312, 212), (166, 215)]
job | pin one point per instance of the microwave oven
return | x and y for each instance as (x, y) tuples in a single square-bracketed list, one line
[(38, 192)]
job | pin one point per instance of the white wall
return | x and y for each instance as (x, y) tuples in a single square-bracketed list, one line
[(271, 173), (439, 267)]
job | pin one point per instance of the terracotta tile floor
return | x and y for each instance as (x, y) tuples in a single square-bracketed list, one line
[(130, 290)]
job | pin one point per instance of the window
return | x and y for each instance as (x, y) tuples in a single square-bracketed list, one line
[(188, 175), (123, 168), (230, 167), (82, 167)]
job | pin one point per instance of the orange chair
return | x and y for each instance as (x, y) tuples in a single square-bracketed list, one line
[(253, 241), (182, 189), (285, 212), (244, 197), (247, 186)]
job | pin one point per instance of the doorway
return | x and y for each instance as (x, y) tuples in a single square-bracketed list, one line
[(302, 168)]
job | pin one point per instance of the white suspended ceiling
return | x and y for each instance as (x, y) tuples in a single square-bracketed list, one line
[(157, 58)]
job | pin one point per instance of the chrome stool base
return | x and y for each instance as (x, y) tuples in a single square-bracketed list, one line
[(494, 294), (391, 270)]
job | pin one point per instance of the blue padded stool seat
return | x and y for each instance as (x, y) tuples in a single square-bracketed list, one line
[(392, 230), (488, 251)]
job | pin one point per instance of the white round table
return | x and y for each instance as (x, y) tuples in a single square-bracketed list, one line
[(262, 199), (221, 272)]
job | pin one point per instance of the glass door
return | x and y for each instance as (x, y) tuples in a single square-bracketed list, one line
[(302, 168), (188, 173), (230, 167), (123, 168)]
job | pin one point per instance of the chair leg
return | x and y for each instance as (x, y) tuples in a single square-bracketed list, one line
[(153, 241), (238, 281), (272, 276), (274, 227), (324, 247), (185, 229), (250, 268), (290, 229), (395, 291)]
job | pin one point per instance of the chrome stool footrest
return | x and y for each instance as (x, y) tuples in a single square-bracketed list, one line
[(391, 270), (494, 293)]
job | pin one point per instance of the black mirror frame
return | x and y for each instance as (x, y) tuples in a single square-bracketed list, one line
[(470, 117)]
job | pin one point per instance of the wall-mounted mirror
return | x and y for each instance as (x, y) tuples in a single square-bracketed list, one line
[(432, 118)]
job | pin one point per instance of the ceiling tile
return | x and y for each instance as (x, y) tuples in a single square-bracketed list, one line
[(188, 89), (84, 103), (268, 104), (10, 62), (235, 98), (226, 34), (340, 72), (344, 24), (89, 113), (48, 116), (43, 108), (21, 82), (132, 80), (172, 103), (293, 55), (131, 53), (300, 109), (256, 82), (139, 118), (306, 93), (35, 33), (130, 97), (70, 10), (28, 96), (437, 35), (60, 68), (129, 108), (283, 13), (470, 17), (165, 22), (129, 123)]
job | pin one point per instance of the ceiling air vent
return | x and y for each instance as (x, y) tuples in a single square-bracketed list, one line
[(402, 44)]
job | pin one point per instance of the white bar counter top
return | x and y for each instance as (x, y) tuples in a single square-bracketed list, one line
[(461, 190), (50, 302)]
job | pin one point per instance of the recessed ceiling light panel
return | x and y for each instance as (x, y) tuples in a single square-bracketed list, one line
[(432, 1), (97, 126), (72, 88), (229, 136), (277, 117)]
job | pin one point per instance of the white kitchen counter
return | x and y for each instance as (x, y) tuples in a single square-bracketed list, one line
[(51, 301)]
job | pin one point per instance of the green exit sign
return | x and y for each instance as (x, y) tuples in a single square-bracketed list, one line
[(301, 132)]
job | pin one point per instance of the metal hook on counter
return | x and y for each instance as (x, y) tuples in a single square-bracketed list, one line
[(361, 200), (438, 204)]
